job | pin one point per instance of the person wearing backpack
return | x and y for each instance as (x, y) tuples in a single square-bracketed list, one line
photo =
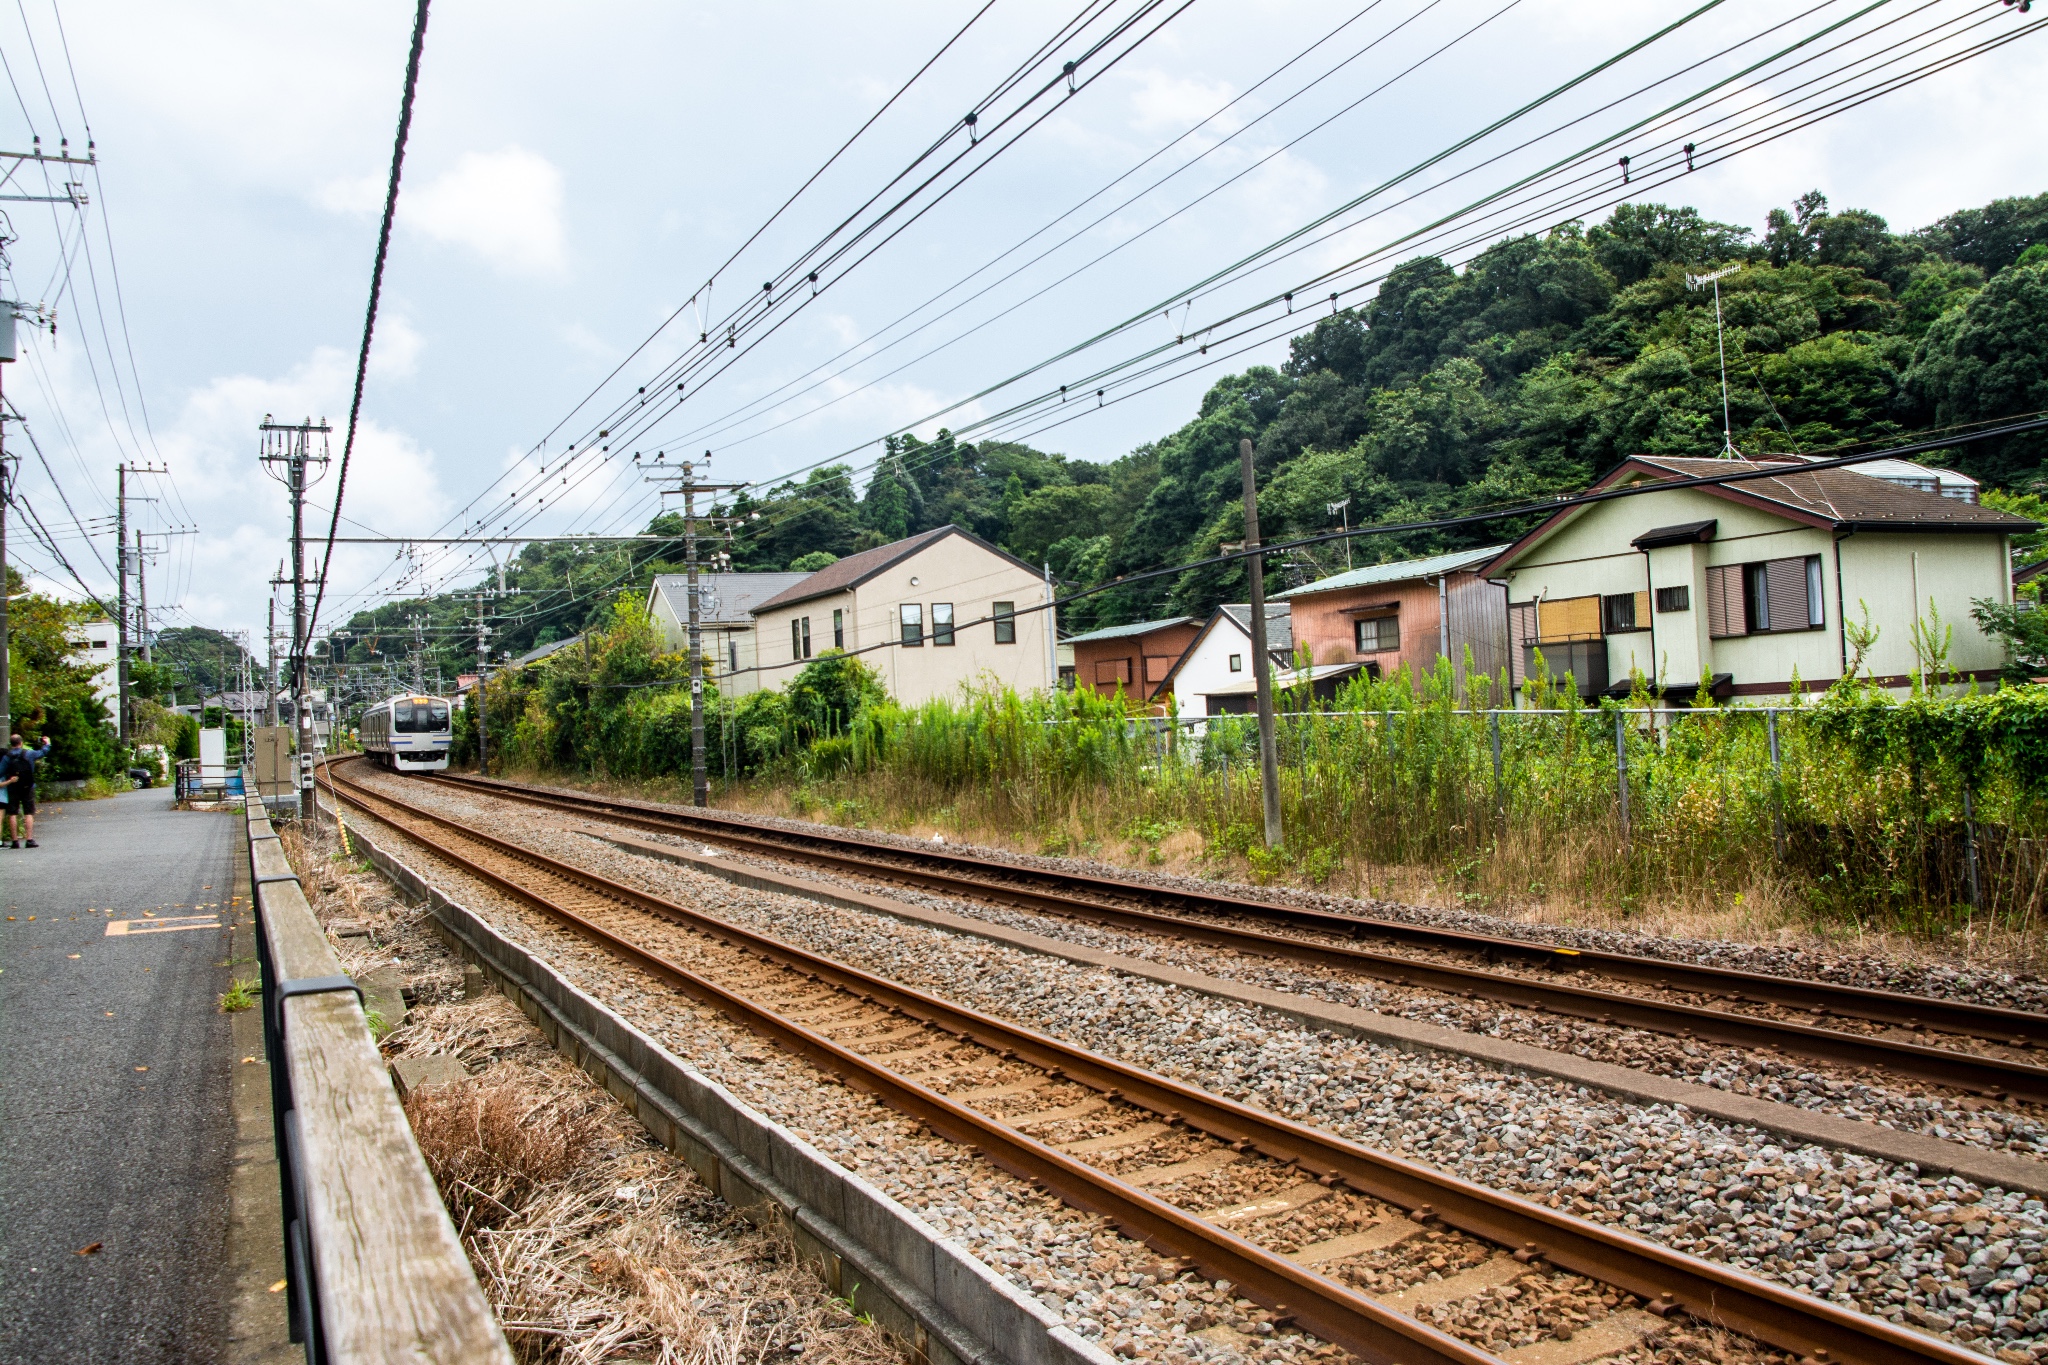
[(18, 779)]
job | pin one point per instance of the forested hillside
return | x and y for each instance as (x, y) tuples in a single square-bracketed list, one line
[(1531, 370)]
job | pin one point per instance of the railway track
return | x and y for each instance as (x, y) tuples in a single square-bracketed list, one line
[(1329, 940), (1350, 1244)]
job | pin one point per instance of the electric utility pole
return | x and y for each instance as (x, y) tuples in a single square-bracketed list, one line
[(1262, 666), (10, 313), (287, 452), (690, 486), (270, 656), (123, 569)]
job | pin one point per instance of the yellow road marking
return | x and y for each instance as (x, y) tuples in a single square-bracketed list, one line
[(117, 928)]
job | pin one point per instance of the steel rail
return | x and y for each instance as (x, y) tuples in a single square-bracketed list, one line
[(1322, 1306), (1818, 1331), (1987, 1075)]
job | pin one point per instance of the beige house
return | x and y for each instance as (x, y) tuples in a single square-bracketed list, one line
[(931, 614), (725, 620), (1743, 586)]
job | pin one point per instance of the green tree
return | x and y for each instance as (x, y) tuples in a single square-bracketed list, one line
[(1985, 362)]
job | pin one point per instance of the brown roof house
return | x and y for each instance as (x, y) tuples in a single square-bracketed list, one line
[(1411, 612), (1739, 586), (1138, 658), (932, 613)]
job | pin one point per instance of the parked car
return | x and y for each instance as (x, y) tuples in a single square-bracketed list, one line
[(141, 777)]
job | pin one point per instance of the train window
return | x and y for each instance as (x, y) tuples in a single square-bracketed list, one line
[(401, 715)]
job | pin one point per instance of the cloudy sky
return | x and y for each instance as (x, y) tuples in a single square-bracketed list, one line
[(576, 177)]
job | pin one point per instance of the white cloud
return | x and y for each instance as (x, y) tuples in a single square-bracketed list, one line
[(1167, 103), (395, 350), (506, 206)]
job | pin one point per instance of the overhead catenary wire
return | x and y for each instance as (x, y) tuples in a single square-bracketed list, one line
[(793, 474), (355, 407), (759, 307)]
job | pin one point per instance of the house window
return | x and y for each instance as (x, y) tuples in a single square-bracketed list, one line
[(1006, 623), (1623, 612), (800, 637), (942, 623), (838, 629), (807, 637), (1157, 666), (1377, 634), (732, 656), (911, 617), (1771, 597), (1675, 599), (1111, 671), (1237, 663)]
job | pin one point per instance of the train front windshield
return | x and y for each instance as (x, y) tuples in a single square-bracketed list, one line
[(419, 718)]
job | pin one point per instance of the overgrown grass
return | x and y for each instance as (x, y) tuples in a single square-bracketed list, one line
[(1869, 816), (1859, 822)]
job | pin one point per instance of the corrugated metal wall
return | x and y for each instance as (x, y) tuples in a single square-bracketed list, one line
[(1479, 619)]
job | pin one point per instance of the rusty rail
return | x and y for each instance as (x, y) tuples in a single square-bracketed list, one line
[(1667, 1278), (950, 873)]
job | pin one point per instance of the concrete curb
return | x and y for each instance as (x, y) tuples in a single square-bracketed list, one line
[(1932, 1155), (932, 1293)]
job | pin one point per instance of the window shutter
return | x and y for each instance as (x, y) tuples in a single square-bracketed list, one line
[(1727, 613), (1785, 586)]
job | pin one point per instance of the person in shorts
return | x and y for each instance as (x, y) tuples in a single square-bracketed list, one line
[(18, 780)]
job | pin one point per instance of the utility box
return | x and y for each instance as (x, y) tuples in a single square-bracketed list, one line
[(273, 760)]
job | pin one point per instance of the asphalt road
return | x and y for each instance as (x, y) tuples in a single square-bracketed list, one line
[(115, 1130)]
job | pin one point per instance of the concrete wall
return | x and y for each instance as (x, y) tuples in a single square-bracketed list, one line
[(954, 570), (1592, 555)]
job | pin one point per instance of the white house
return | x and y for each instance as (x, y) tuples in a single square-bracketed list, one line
[(931, 613), (725, 620), (1220, 656), (96, 645), (1738, 587)]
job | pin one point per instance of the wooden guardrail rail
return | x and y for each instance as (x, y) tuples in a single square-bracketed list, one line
[(373, 1267)]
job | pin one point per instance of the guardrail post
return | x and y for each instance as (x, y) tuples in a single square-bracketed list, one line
[(1970, 845), (1621, 770), (1777, 785), (1500, 794)]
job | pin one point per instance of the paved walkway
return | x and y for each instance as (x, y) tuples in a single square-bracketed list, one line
[(114, 1085)]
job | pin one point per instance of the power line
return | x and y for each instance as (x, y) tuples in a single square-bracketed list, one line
[(355, 407)]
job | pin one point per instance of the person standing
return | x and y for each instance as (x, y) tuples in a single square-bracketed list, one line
[(18, 778)]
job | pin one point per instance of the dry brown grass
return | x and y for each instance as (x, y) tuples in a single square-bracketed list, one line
[(493, 1143), (591, 1242)]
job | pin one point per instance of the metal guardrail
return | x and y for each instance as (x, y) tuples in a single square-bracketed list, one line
[(373, 1269)]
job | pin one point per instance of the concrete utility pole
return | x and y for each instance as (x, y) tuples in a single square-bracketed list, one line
[(287, 452), (40, 316), (690, 486), (270, 658), (6, 496), (1262, 666)]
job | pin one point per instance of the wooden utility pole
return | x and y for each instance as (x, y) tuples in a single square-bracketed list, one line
[(1262, 665)]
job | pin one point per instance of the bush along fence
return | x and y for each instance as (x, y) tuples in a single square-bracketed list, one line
[(1918, 812)]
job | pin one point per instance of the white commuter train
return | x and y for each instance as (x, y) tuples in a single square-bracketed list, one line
[(408, 734)]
